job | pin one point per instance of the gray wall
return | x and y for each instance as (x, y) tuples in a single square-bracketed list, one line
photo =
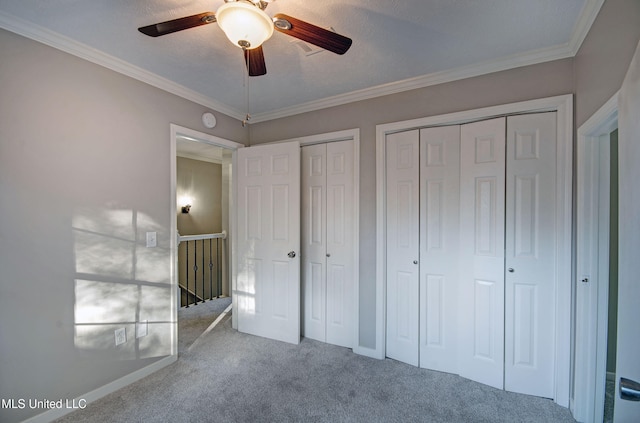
[(531, 82), (84, 173), (603, 59)]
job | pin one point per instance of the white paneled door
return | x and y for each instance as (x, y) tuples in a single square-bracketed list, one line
[(341, 260), (439, 222), (403, 238), (478, 203), (268, 241), (314, 241), (530, 251), (328, 238), (482, 197)]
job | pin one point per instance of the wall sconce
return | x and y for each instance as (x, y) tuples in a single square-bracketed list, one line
[(184, 202)]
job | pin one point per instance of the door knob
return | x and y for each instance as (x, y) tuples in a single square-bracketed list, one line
[(291, 254), (629, 389), (328, 255), (511, 270), (415, 262)]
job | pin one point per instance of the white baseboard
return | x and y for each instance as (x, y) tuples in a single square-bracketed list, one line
[(56, 413)]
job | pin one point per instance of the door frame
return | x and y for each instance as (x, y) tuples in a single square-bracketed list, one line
[(592, 263), (563, 105), (177, 131)]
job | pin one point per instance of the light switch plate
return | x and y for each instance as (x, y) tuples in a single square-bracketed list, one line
[(121, 336), (142, 328), (152, 239)]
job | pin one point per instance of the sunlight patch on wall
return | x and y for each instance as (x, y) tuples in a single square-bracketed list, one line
[(103, 254), (103, 302), (152, 265), (117, 223), (121, 284)]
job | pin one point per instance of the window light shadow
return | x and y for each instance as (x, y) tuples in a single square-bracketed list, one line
[(121, 283)]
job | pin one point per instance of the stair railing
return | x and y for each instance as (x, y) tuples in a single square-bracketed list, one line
[(200, 281)]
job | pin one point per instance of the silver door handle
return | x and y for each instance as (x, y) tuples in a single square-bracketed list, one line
[(328, 255), (511, 270), (415, 262), (291, 254), (629, 389)]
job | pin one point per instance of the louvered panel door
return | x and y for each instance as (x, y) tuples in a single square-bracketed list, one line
[(482, 199), (402, 241), (530, 254), (439, 221)]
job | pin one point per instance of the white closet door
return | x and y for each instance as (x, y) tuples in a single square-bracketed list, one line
[(439, 221), (402, 235), (314, 243), (530, 254), (268, 267), (340, 255), (328, 240), (482, 190)]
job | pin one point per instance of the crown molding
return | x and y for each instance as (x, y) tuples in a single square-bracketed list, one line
[(83, 51), (583, 25), (55, 40), (580, 30), (514, 61), (199, 158)]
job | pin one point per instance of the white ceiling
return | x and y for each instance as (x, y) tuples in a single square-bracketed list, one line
[(397, 45)]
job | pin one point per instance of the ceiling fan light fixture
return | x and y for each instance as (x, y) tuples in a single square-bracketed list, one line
[(244, 24)]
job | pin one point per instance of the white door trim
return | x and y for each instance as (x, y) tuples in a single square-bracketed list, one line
[(591, 297), (175, 132), (563, 105)]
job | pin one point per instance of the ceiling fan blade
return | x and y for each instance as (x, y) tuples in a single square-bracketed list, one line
[(179, 24), (315, 35), (254, 59)]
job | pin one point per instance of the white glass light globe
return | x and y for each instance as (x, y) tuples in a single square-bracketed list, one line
[(246, 25)]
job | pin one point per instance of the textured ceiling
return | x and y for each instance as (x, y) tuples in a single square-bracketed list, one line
[(392, 41)]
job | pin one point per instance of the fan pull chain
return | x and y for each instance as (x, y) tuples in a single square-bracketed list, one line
[(247, 117)]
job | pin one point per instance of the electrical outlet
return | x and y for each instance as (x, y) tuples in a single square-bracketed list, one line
[(152, 239), (142, 328), (121, 336)]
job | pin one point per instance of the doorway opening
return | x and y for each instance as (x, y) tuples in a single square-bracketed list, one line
[(596, 266), (201, 213)]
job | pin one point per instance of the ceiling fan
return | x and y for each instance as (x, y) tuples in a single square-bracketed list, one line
[(247, 26)]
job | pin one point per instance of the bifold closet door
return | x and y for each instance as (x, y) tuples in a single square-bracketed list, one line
[(328, 256), (482, 221), (439, 222), (340, 253), (314, 241), (402, 241), (530, 254)]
